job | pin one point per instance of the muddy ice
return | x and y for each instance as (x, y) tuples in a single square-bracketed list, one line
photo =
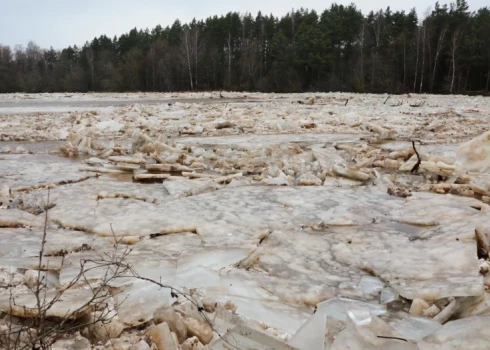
[(326, 221)]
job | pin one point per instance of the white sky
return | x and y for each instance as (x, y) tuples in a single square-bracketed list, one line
[(60, 23)]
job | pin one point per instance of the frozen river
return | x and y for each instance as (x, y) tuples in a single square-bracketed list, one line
[(314, 222)]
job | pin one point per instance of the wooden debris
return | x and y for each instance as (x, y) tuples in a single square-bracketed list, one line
[(150, 177), (419, 160)]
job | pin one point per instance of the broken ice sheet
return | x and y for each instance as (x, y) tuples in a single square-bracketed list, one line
[(327, 156), (255, 303), (474, 154), (359, 315), (415, 328), (474, 306), (12, 218), (47, 263), (136, 304), (98, 266), (437, 289), (243, 337), (25, 174), (370, 285), (339, 307), (182, 187), (311, 335), (25, 242), (374, 335), (468, 333), (213, 259), (71, 303), (388, 295)]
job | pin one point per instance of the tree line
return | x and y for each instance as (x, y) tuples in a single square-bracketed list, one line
[(445, 51)]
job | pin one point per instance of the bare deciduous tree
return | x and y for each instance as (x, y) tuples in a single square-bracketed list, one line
[(91, 60), (454, 48), (440, 42), (416, 59), (186, 52)]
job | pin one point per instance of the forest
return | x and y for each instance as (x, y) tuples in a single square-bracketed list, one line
[(446, 50)]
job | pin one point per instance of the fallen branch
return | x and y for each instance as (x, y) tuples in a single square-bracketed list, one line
[(419, 160), (394, 338), (387, 99)]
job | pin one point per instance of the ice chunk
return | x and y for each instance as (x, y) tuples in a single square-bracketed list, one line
[(308, 179), (311, 335), (47, 263), (137, 303), (370, 285), (243, 337), (77, 343), (280, 180), (388, 295), (338, 307), (350, 173), (359, 315), (415, 328), (174, 321), (215, 260), (438, 289), (71, 304), (474, 306), (373, 335), (109, 125), (474, 155), (468, 333), (19, 218), (418, 307), (327, 157), (198, 328), (162, 337)]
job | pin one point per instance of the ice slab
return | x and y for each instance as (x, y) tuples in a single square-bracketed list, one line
[(338, 308), (256, 303), (13, 218), (370, 285), (474, 155), (266, 140), (47, 263), (437, 289), (373, 335), (415, 328), (185, 187), (388, 295), (26, 242), (328, 157), (311, 335), (136, 304), (215, 259), (21, 175), (72, 303), (468, 333), (243, 337)]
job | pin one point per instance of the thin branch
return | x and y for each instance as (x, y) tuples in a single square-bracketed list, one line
[(394, 338), (419, 160)]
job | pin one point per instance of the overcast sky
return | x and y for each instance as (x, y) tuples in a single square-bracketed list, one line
[(60, 23)]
